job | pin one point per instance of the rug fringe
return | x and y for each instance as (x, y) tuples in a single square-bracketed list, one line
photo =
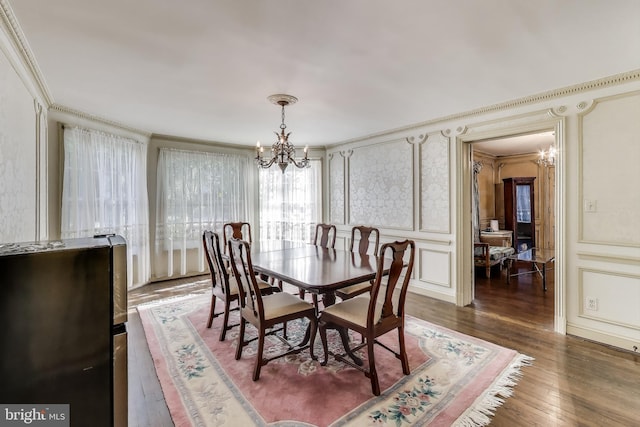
[(478, 415)]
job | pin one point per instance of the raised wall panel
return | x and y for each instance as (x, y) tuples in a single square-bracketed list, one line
[(434, 184), (18, 158), (336, 188), (610, 154), (435, 267), (381, 185), (617, 297)]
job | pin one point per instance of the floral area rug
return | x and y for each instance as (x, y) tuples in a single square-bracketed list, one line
[(455, 379)]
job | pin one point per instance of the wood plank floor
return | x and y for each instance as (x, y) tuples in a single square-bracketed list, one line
[(573, 382)]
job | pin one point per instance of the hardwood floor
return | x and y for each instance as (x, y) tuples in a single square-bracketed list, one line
[(572, 382)]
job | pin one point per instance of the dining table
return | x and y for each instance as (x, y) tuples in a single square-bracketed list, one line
[(315, 269)]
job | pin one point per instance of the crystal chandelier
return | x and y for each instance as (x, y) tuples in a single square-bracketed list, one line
[(282, 152), (548, 157)]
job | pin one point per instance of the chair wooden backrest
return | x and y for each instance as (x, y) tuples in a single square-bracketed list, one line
[(236, 230), (325, 236), (240, 259), (213, 255), (364, 235), (382, 314)]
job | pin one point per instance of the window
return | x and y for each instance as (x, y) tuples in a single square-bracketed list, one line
[(290, 202), (197, 191), (105, 191)]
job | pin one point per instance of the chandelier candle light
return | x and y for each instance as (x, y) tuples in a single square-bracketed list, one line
[(282, 151), (548, 157)]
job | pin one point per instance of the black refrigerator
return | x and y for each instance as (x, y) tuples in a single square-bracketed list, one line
[(63, 338)]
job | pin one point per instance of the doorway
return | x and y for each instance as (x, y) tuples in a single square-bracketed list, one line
[(465, 292), (503, 169)]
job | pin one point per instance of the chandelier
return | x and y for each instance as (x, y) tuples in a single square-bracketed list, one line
[(282, 151), (548, 157)]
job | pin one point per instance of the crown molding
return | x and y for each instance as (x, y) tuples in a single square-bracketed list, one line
[(614, 80), (86, 116), (23, 50)]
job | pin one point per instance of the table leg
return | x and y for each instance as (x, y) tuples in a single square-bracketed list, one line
[(544, 276), (330, 299)]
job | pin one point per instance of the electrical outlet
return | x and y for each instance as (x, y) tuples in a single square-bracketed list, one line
[(591, 303), (590, 205)]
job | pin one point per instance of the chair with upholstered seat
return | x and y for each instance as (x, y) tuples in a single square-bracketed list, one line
[(266, 311), (236, 230), (365, 237), (223, 285), (375, 314), (325, 235)]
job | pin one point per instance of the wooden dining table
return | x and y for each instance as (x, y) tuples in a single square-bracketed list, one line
[(316, 270)]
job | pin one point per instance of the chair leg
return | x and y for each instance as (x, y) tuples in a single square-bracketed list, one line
[(240, 338), (373, 374), (225, 319), (403, 352), (256, 370), (323, 336), (488, 271), (212, 310)]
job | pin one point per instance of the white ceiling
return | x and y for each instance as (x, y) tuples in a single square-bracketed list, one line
[(203, 68)]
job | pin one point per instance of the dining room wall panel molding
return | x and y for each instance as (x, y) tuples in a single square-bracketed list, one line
[(434, 267), (617, 297), (435, 184), (607, 129), (381, 185), (19, 157), (337, 190)]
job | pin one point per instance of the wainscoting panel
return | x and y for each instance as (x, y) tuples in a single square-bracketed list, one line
[(610, 297), (435, 267), (18, 158), (381, 185), (435, 184), (336, 188), (610, 202)]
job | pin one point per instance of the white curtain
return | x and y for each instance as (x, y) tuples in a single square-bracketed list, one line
[(197, 191), (105, 191), (290, 203)]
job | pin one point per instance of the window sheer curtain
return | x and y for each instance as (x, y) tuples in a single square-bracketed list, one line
[(196, 191), (290, 203), (105, 191)]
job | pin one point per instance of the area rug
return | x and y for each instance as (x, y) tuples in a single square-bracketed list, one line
[(455, 379)]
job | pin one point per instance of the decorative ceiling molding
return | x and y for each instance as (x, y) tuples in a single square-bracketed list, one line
[(614, 80), (82, 115), (26, 55)]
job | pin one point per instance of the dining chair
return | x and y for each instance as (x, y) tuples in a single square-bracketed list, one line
[(224, 286), (325, 235), (264, 312), (363, 236), (375, 314), (236, 230)]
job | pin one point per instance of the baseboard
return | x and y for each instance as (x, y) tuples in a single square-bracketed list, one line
[(623, 343)]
